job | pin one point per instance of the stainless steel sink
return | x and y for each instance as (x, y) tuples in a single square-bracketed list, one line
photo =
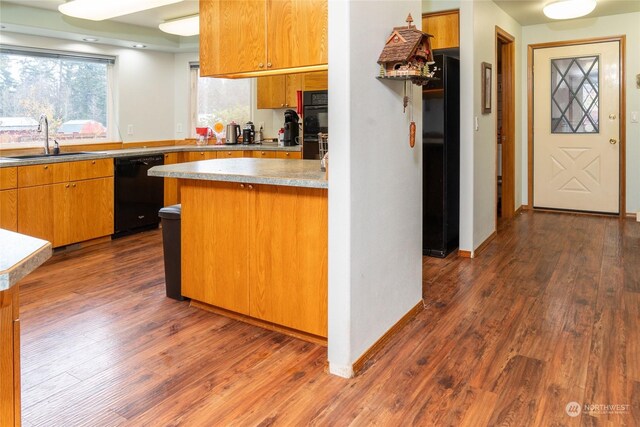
[(49, 156)]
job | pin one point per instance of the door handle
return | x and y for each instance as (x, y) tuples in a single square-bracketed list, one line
[(613, 141)]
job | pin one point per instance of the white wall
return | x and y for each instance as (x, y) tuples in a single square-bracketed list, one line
[(375, 196), (486, 16), (627, 24)]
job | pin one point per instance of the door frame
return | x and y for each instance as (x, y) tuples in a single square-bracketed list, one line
[(508, 93), (621, 39)]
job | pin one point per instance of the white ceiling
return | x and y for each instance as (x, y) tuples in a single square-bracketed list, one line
[(148, 18), (529, 12)]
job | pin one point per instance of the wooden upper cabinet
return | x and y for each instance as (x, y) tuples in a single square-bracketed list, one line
[(444, 27), (297, 33), (246, 37), (232, 36), (279, 91), (318, 80)]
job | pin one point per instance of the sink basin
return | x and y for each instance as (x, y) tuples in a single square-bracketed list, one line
[(49, 156)]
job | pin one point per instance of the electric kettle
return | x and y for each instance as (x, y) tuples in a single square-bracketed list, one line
[(233, 133)]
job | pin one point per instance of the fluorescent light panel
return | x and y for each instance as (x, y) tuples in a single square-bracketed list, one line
[(188, 26), (568, 9), (107, 9)]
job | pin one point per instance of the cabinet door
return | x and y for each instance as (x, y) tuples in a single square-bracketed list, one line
[(444, 27), (294, 84), (271, 92), (89, 209), (318, 80), (297, 33), (288, 269), (43, 174), (218, 226), (232, 36), (35, 212), (9, 209), (171, 189)]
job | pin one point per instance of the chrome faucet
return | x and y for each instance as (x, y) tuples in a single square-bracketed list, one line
[(46, 131)]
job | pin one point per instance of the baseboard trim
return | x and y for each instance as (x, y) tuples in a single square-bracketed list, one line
[(479, 249), (384, 339), (520, 209), (464, 254), (633, 216), (261, 323), (484, 244)]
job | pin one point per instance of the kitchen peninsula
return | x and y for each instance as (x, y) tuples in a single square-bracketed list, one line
[(254, 240)]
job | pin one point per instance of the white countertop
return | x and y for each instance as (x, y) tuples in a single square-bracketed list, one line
[(291, 173), (19, 256)]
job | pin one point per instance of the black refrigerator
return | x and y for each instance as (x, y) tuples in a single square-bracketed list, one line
[(441, 159)]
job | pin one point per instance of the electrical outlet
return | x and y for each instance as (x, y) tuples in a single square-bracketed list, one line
[(130, 130), (261, 125), (179, 128)]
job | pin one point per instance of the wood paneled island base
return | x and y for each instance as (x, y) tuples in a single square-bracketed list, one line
[(259, 251)]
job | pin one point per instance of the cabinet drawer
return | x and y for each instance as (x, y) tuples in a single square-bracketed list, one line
[(289, 155), (51, 173), (88, 169), (264, 154), (194, 156), (8, 178), (9, 209), (230, 154)]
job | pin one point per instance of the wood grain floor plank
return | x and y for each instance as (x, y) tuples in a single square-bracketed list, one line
[(547, 314)]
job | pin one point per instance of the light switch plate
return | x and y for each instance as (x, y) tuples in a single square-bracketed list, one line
[(179, 128), (130, 130), (634, 117)]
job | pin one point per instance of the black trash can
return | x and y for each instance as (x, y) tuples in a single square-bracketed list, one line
[(170, 216)]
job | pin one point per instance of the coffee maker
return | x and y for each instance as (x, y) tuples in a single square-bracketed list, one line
[(291, 127)]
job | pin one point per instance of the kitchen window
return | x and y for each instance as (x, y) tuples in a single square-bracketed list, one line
[(218, 100), (73, 90)]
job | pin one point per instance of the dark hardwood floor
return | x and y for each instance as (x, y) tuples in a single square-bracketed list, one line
[(548, 314)]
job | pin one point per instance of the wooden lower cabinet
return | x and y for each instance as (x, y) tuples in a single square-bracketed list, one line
[(263, 154), (289, 154), (66, 213), (258, 250), (9, 358), (194, 156), (214, 222), (171, 189), (230, 154), (9, 209), (288, 264)]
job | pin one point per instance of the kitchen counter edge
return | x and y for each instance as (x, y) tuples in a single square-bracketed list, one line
[(19, 256), (126, 152), (290, 173)]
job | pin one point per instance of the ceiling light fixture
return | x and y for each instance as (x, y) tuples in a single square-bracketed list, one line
[(187, 26), (569, 9), (139, 46), (90, 39), (101, 10)]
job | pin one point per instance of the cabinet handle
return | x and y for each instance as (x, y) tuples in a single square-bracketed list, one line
[(241, 185), (263, 153), (202, 153), (66, 186), (282, 105), (250, 187), (93, 162), (260, 65), (268, 64), (46, 166), (286, 154), (73, 185)]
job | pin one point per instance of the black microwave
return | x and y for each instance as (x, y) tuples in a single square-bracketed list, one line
[(315, 120)]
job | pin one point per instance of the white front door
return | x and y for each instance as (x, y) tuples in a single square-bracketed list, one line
[(576, 127)]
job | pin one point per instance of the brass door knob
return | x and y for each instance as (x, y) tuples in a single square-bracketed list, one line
[(613, 141)]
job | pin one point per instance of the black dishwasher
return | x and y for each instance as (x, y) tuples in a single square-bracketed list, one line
[(138, 197)]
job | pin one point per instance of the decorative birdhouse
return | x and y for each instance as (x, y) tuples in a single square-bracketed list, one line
[(407, 55)]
